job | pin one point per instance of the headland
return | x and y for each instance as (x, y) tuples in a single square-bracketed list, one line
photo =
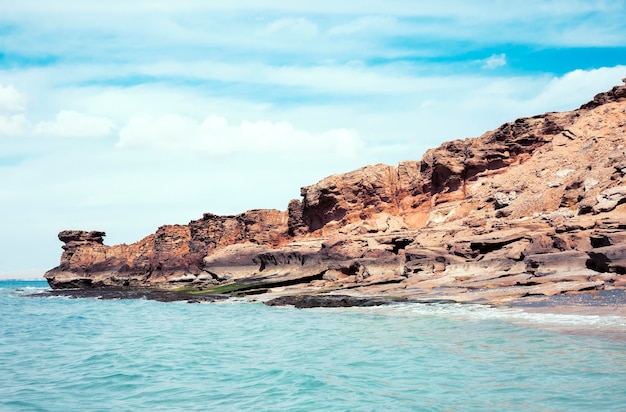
[(531, 210)]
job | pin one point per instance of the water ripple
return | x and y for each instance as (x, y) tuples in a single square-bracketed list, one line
[(127, 355)]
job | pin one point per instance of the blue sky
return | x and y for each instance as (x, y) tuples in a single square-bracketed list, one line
[(122, 116)]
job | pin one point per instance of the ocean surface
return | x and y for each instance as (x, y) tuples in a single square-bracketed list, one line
[(63, 354)]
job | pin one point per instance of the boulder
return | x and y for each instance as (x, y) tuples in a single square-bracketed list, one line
[(609, 199)]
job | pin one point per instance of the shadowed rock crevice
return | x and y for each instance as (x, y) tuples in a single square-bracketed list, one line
[(598, 262)]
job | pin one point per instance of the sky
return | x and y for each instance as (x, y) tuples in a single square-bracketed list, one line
[(122, 116)]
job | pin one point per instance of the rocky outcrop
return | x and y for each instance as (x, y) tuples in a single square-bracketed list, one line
[(615, 94), (174, 254), (536, 207)]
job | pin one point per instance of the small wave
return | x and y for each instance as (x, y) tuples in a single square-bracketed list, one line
[(144, 355), (568, 322)]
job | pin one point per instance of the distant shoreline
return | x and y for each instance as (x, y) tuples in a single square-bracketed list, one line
[(33, 274)]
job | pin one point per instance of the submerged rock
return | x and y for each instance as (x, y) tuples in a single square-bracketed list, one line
[(328, 301)]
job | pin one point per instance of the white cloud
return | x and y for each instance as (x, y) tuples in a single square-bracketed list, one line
[(577, 87), (11, 100), (494, 61), (350, 78), (69, 123), (367, 25), (216, 137), (390, 7), (185, 30), (14, 125), (290, 26)]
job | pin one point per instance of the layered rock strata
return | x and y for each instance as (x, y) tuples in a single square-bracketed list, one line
[(533, 208)]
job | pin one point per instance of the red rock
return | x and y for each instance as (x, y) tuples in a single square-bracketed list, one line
[(538, 200)]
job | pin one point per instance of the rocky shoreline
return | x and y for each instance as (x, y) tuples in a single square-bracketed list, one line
[(599, 303), (532, 210)]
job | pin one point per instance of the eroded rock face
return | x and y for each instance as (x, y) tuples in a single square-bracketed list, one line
[(534, 208), (174, 254), (357, 195)]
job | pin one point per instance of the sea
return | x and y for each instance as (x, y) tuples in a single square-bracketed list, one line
[(67, 354)]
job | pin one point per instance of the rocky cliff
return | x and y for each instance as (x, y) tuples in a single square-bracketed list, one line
[(533, 208)]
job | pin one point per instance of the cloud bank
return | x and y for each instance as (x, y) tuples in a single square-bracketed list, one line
[(214, 136)]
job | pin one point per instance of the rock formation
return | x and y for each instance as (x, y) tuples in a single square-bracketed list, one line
[(533, 208)]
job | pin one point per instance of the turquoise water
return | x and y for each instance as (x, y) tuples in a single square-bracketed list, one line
[(61, 354)]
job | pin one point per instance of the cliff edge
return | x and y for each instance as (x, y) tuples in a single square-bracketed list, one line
[(534, 208)]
